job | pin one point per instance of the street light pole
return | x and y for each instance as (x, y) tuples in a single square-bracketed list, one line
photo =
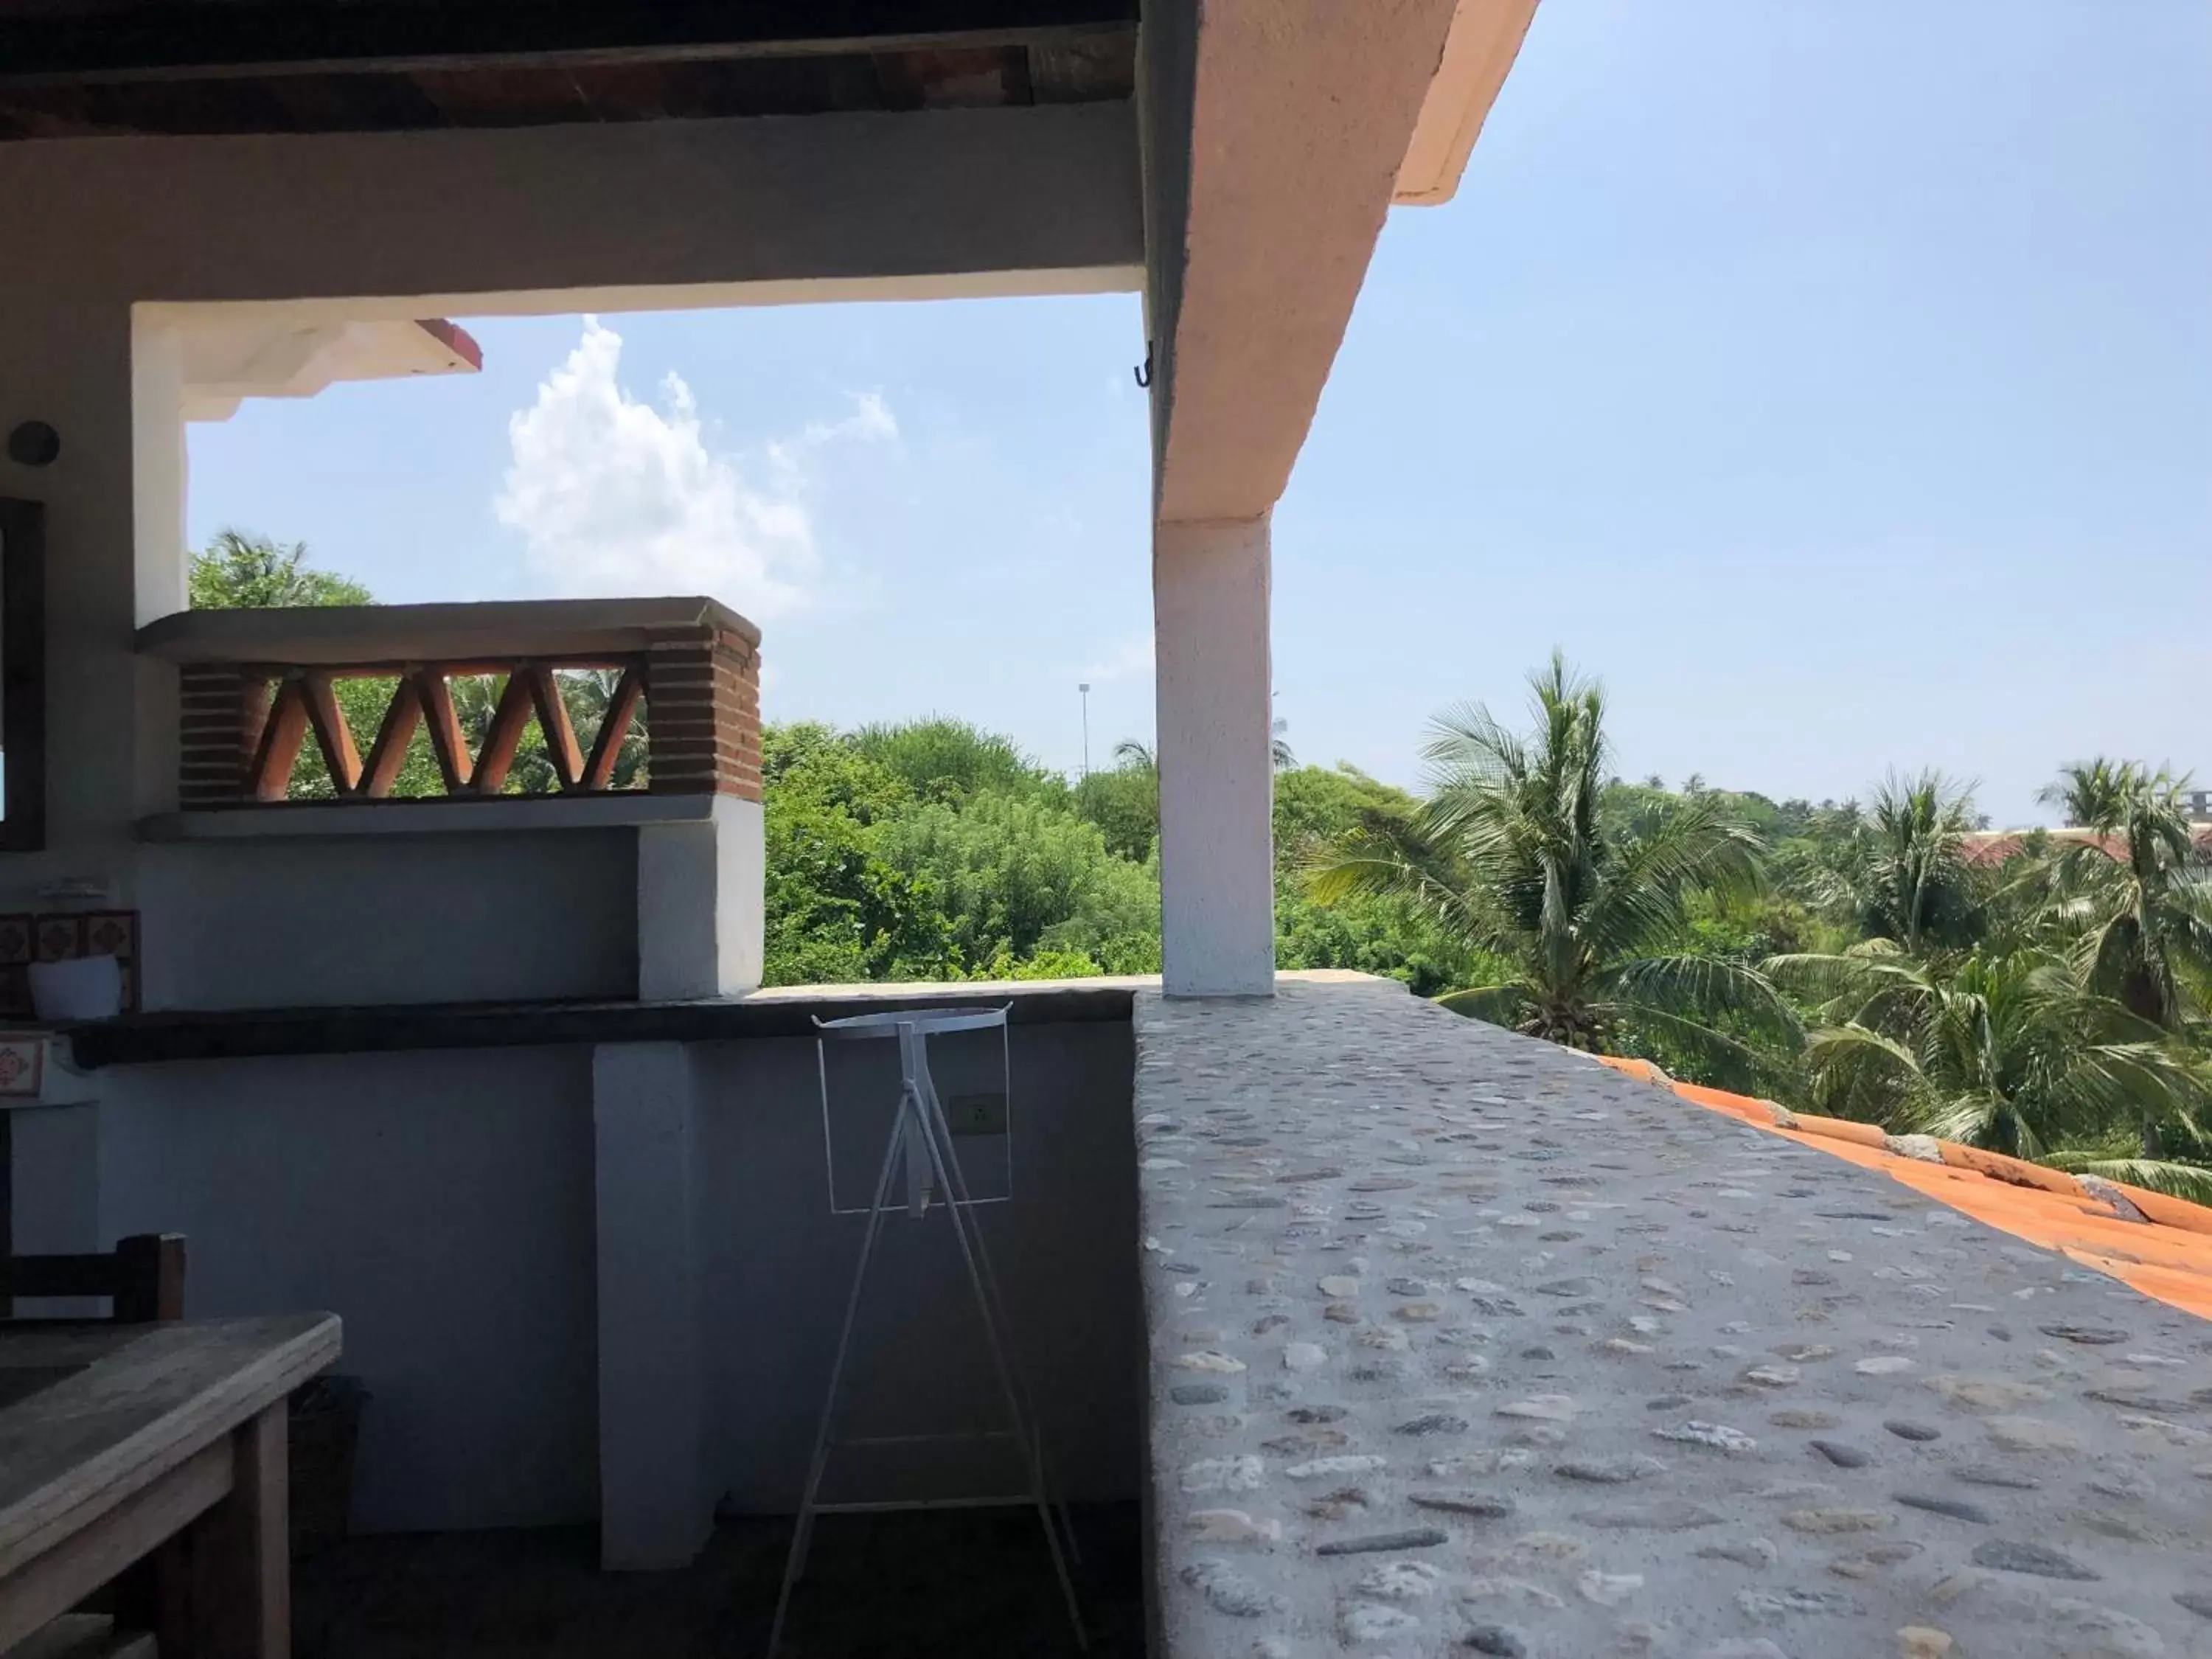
[(1084, 688)]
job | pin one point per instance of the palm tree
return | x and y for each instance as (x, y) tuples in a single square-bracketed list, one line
[(2135, 901), (2005, 1050), (1512, 856), (241, 569), (1905, 875), (2095, 793), (1132, 754), (588, 693)]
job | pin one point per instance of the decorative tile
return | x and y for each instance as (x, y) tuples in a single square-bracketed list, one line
[(112, 934), (16, 937), (60, 937), (22, 1064)]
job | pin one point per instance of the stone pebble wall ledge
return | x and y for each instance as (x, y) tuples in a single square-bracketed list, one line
[(1460, 1343)]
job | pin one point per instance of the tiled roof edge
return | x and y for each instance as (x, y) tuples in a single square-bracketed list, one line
[(2113, 1198)]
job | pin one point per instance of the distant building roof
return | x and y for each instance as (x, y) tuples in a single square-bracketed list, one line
[(1988, 847)]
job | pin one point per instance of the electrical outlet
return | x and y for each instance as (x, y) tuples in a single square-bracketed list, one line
[(977, 1114)]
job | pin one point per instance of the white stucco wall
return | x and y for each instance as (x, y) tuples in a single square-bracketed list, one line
[(440, 1203), (388, 918), (1210, 587), (445, 1205), (702, 903)]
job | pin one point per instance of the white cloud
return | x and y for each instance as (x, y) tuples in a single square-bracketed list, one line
[(870, 421), (615, 497), (1132, 657)]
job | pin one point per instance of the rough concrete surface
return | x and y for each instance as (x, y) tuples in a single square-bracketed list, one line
[(1460, 1343)]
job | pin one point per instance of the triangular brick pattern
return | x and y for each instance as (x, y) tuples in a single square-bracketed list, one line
[(304, 704), (244, 727)]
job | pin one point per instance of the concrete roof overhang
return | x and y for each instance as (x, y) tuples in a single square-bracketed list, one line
[(230, 356), (1305, 120)]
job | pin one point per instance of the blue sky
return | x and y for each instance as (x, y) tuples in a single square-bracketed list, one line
[(1834, 378)]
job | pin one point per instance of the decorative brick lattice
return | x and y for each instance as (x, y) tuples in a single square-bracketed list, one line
[(695, 685)]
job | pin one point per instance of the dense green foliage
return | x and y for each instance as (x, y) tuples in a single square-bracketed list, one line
[(933, 850), (238, 571)]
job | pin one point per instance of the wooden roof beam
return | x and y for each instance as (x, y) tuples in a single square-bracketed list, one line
[(82, 42)]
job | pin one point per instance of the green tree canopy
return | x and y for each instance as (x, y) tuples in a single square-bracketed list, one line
[(943, 759), (240, 570)]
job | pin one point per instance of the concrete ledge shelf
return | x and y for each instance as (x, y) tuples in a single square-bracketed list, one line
[(150, 1039), (336, 636), (431, 816)]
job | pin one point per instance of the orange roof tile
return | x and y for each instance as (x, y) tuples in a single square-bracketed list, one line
[(2163, 1249)]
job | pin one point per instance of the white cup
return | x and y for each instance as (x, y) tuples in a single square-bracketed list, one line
[(82, 987)]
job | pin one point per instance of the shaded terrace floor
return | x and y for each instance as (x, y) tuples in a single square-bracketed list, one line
[(970, 1582)]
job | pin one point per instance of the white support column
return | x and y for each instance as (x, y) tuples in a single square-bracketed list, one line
[(656, 1495), (1210, 591), (158, 468), (702, 904)]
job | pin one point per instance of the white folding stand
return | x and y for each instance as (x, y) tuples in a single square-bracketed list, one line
[(921, 1140)]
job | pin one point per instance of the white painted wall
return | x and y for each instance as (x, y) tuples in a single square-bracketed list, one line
[(656, 1489), (390, 919), (465, 1214), (1216, 716), (441, 1204), (702, 903), (54, 1179)]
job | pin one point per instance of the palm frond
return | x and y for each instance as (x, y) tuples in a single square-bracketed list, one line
[(1495, 1004), (1709, 988), (1738, 1061)]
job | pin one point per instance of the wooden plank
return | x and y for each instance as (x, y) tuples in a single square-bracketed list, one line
[(251, 38), (614, 728), (389, 752), (278, 751), (1082, 71), (497, 756), (241, 1554), (332, 735), (146, 1399), (87, 1636), (47, 1585), (447, 743), (553, 721)]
